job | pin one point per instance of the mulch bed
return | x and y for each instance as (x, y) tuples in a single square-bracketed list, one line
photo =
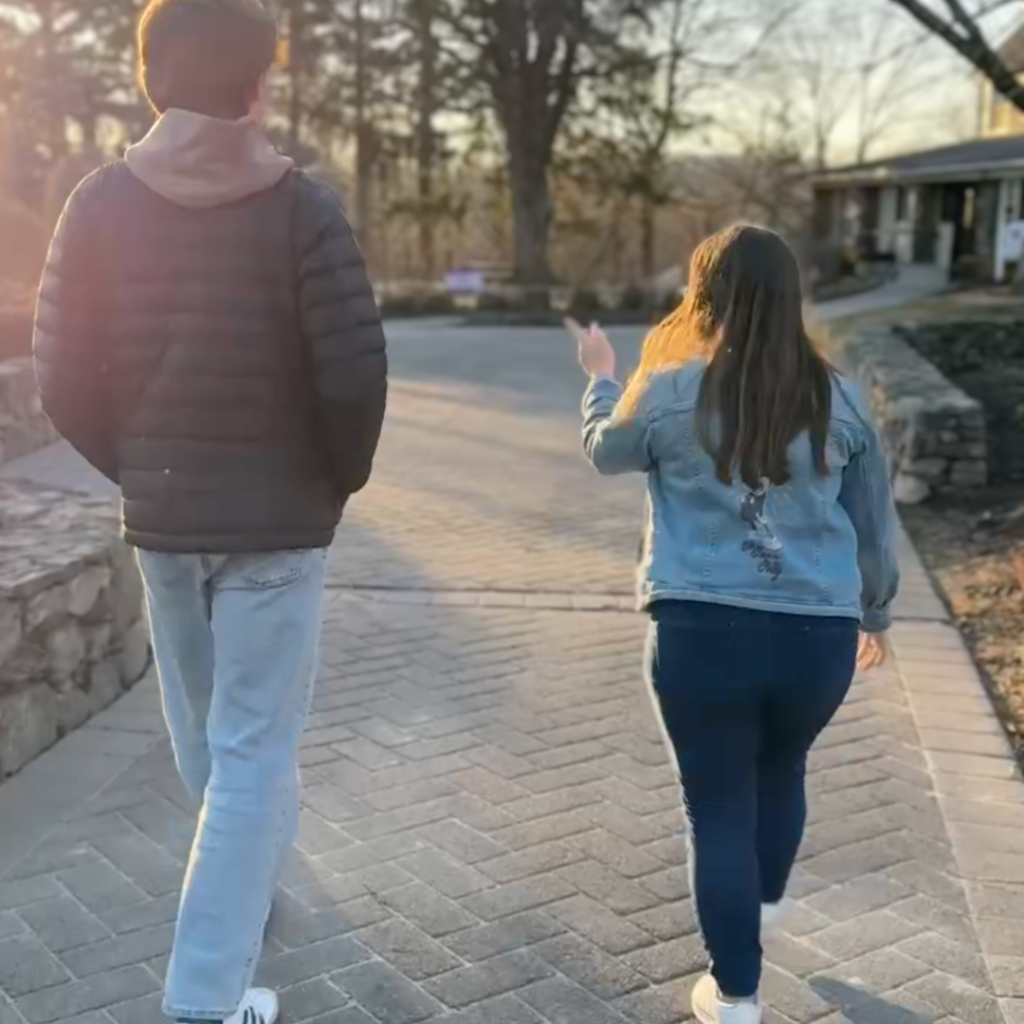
[(974, 548)]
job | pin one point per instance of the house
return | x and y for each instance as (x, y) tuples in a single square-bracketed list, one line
[(956, 207)]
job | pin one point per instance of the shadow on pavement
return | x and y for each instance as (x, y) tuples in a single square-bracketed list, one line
[(860, 1007)]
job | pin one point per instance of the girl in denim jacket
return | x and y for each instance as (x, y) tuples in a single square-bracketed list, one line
[(769, 568)]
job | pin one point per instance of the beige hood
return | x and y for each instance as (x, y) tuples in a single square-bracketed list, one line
[(199, 162)]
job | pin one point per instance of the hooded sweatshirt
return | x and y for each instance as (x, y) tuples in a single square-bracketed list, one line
[(207, 336), (200, 162)]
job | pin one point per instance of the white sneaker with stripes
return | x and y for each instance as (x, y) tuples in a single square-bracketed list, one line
[(258, 1006)]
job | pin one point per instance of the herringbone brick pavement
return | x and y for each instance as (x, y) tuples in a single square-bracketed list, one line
[(490, 828), (491, 832)]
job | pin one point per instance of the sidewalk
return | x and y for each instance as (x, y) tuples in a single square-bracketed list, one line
[(490, 831), (913, 282)]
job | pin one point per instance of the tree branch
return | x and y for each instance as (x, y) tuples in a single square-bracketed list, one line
[(969, 43)]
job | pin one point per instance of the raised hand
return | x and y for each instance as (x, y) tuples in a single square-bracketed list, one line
[(597, 357)]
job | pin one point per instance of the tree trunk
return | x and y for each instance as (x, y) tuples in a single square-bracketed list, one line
[(648, 240), (426, 140), (428, 258), (364, 139), (531, 214)]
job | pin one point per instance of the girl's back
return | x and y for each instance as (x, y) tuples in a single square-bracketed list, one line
[(791, 547)]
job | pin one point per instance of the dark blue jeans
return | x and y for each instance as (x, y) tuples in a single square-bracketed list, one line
[(743, 696)]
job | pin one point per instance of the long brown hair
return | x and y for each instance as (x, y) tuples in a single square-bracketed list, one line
[(765, 383)]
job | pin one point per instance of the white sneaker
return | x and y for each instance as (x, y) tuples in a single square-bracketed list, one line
[(708, 1007), (258, 1006)]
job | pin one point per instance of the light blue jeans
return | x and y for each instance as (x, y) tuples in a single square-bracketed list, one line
[(235, 640)]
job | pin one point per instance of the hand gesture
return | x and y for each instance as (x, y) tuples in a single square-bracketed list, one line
[(597, 357), (871, 652)]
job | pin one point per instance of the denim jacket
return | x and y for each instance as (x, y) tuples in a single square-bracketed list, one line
[(818, 545)]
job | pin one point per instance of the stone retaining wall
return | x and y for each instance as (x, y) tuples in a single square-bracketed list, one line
[(24, 427), (986, 359), (73, 636), (934, 432)]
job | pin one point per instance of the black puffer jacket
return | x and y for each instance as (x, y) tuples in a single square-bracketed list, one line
[(226, 366)]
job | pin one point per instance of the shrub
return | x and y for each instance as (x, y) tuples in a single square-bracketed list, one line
[(634, 299), (585, 303), (668, 303), (437, 304), (969, 268), (492, 302), (849, 261), (530, 299), (416, 305)]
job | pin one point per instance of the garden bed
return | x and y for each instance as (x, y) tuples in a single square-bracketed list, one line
[(973, 545)]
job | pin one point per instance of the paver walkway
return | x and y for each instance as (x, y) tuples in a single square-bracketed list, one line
[(912, 283), (491, 831)]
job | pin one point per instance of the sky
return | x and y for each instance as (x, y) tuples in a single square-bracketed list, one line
[(849, 70)]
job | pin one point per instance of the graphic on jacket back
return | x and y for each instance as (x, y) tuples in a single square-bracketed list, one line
[(762, 545)]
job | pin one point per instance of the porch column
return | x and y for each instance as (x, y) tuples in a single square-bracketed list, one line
[(1009, 209)]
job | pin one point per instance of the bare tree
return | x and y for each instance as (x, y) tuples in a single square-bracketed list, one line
[(624, 140), (65, 68), (530, 59), (430, 82), (427, 50), (962, 24), (849, 76), (810, 61)]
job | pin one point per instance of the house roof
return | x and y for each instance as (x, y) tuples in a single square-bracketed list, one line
[(967, 161)]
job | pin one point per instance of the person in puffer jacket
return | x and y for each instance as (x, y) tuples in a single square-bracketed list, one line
[(207, 337)]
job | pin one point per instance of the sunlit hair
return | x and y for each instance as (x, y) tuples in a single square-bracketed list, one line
[(207, 56), (765, 383)]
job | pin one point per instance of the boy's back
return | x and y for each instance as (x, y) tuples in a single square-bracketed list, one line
[(207, 337), (245, 370)]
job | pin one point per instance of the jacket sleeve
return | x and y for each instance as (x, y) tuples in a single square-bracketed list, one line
[(614, 445), (866, 495), (342, 329), (69, 342)]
